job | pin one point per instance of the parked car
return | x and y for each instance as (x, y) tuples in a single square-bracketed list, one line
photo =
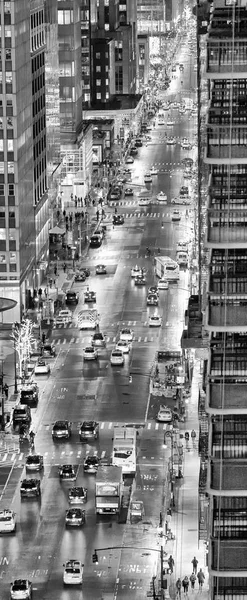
[(164, 415), (71, 297), (41, 367), (48, 350), (7, 521)]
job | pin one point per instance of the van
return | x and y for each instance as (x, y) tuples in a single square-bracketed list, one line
[(29, 395)]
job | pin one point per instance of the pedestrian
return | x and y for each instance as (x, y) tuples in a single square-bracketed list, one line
[(43, 337), (97, 215), (200, 577), (75, 202), (6, 390), (58, 214), (192, 580), (193, 435), (70, 218), (50, 283), (194, 563), (55, 270), (64, 213), (185, 584), (178, 587), (115, 210), (40, 292), (171, 563), (64, 267), (187, 436)]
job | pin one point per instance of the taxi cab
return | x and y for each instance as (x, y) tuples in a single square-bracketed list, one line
[(7, 521)]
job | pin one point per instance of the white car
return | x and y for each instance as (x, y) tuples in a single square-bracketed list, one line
[(147, 178), (90, 353), (129, 160), (163, 284), (21, 589), (144, 201), (65, 315), (136, 271), (123, 345), (186, 146), (155, 321), (170, 122), (154, 171), (164, 415), (126, 335), (73, 572), (161, 196), (117, 357), (171, 140), (7, 521), (179, 200), (176, 215), (41, 367)]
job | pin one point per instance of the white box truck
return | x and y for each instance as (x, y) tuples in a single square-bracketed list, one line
[(108, 490), (124, 449), (88, 319), (166, 268)]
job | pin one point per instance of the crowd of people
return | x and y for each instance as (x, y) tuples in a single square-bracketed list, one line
[(188, 581)]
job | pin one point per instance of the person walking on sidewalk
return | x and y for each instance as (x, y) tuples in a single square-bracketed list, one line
[(192, 580), (200, 577), (194, 563), (171, 563), (185, 584), (178, 587), (64, 267)]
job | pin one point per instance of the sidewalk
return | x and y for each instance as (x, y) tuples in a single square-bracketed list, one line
[(184, 520)]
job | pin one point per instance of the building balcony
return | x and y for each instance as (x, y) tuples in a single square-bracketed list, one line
[(228, 477), (226, 228), (227, 394), (229, 557), (225, 150), (226, 313)]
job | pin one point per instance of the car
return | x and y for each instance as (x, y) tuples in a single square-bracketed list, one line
[(90, 353), (89, 430), (30, 488), (129, 160), (170, 141), (186, 146), (61, 429), (48, 350), (91, 464), (89, 296), (153, 289), (85, 270), (117, 357), (188, 174), (162, 284), (161, 196), (138, 143), (176, 215), (21, 589), (170, 122), (75, 517), (155, 321), (29, 370), (77, 495), (164, 415), (144, 201), (66, 315), (73, 572), (95, 241), (187, 162), (179, 200), (21, 415), (80, 276), (152, 300), (100, 270), (71, 298), (29, 394), (67, 472), (123, 346), (118, 220), (133, 151), (126, 334), (41, 367), (114, 195), (154, 171), (184, 190), (34, 462), (135, 271), (7, 521), (128, 192), (147, 178), (140, 280), (98, 340)]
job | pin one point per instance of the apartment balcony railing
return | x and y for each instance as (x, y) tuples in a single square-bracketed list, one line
[(225, 150), (227, 393), (228, 555), (226, 228), (228, 475), (226, 313)]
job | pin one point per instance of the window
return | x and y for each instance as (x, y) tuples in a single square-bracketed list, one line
[(10, 146), (98, 96), (107, 26), (98, 81), (65, 17), (7, 6), (98, 69), (11, 189), (98, 55)]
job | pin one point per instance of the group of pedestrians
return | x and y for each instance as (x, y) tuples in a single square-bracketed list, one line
[(188, 581)]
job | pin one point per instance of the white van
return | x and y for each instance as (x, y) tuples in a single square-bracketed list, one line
[(88, 319)]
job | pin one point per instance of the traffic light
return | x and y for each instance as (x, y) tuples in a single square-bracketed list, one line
[(95, 558)]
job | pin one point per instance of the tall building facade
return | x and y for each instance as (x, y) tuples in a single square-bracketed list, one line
[(23, 177), (223, 487)]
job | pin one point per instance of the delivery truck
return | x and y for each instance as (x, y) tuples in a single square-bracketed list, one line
[(88, 319), (124, 450), (108, 490), (166, 268)]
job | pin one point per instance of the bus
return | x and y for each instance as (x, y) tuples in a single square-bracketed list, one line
[(166, 268), (124, 450)]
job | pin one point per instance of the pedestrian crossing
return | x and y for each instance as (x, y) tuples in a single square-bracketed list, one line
[(109, 340)]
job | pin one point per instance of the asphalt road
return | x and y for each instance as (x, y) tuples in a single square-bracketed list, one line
[(76, 391)]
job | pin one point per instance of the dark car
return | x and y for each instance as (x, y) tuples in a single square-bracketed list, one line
[(30, 488), (48, 350), (75, 517), (140, 280), (98, 340), (152, 300), (21, 415), (118, 220), (77, 495), (128, 192), (133, 151), (29, 395), (85, 270), (138, 143), (91, 464), (95, 241), (89, 430), (61, 429), (80, 276), (67, 472), (90, 296), (71, 298), (34, 462)]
